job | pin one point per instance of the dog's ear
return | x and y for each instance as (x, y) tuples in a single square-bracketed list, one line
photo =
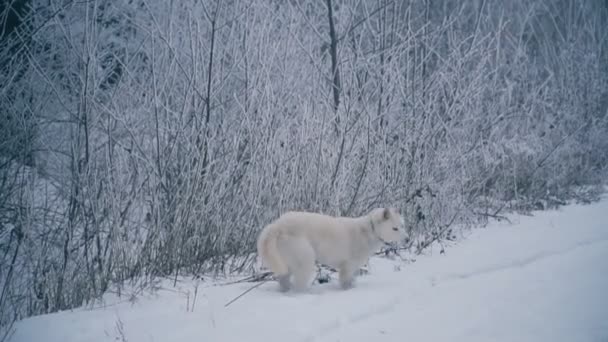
[(386, 214)]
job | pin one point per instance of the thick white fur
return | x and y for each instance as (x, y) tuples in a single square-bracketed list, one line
[(290, 245)]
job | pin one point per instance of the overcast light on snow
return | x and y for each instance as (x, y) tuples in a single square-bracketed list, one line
[(541, 278), (146, 144)]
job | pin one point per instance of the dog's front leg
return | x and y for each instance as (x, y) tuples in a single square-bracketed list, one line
[(346, 275)]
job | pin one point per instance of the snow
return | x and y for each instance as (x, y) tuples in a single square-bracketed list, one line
[(540, 278)]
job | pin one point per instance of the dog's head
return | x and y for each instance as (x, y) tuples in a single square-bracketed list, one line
[(388, 224)]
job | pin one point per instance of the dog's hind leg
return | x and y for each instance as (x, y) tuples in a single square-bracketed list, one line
[(304, 267), (284, 283), (303, 277)]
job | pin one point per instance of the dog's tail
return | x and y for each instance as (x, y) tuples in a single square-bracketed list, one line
[(269, 252)]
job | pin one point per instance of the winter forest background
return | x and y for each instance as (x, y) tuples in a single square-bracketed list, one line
[(153, 138)]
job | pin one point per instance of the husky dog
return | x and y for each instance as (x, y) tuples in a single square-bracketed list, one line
[(290, 245)]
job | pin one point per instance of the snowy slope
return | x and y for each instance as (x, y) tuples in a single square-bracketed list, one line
[(542, 278)]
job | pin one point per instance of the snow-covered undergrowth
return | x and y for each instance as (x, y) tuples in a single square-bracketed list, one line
[(539, 278)]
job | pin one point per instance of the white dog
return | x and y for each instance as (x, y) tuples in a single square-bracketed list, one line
[(290, 245)]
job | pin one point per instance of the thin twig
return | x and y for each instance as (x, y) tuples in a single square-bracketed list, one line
[(244, 293), (249, 279)]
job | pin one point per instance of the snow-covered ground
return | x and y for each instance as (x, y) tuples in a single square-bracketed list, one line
[(541, 278)]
